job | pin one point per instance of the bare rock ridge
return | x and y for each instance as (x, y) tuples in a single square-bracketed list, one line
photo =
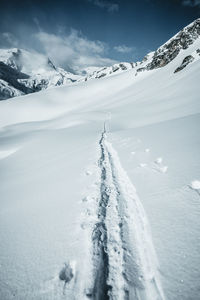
[(182, 40), (188, 59)]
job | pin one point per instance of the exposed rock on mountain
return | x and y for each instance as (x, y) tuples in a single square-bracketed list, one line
[(188, 59), (108, 71), (167, 52), (8, 91)]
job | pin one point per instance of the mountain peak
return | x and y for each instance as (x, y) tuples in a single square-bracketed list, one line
[(23, 72), (181, 41)]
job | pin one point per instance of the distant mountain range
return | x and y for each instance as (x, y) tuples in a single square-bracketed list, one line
[(23, 72)]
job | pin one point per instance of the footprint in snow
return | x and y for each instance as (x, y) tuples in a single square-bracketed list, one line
[(159, 160), (67, 273), (142, 165), (195, 185), (86, 199), (88, 172), (159, 165), (90, 198)]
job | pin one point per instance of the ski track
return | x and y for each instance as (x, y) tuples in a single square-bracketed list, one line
[(124, 261)]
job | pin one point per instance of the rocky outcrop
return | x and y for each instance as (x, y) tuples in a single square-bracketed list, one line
[(171, 49), (188, 59), (8, 91), (108, 71), (166, 53)]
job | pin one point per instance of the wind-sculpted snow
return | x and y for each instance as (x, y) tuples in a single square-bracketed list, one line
[(124, 260)]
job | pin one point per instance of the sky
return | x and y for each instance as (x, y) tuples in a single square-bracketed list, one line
[(80, 33)]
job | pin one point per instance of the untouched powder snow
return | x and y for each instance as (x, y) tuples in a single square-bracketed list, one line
[(72, 224)]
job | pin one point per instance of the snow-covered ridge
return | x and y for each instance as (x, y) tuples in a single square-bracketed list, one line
[(23, 72), (108, 71), (171, 49), (156, 59)]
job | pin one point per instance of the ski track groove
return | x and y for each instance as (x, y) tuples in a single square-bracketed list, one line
[(124, 260)]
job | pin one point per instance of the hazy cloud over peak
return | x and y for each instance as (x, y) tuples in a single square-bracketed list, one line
[(114, 30), (74, 51)]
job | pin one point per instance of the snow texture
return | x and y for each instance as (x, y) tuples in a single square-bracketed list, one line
[(80, 218)]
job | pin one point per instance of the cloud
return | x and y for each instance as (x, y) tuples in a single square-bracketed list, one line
[(74, 51), (191, 3), (37, 23), (105, 4), (123, 49), (8, 40)]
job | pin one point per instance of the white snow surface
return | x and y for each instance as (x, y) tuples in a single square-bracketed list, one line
[(195, 185), (52, 181)]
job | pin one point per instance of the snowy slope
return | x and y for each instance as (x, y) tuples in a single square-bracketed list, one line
[(96, 193)]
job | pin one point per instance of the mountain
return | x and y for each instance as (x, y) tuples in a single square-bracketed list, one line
[(156, 59), (108, 71), (100, 186), (23, 72), (172, 48)]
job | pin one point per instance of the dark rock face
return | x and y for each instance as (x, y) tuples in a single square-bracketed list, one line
[(101, 75), (115, 68), (11, 76), (170, 50), (141, 70), (188, 59), (122, 66), (7, 91), (51, 64)]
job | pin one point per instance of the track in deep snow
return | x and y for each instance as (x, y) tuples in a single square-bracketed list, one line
[(124, 260)]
